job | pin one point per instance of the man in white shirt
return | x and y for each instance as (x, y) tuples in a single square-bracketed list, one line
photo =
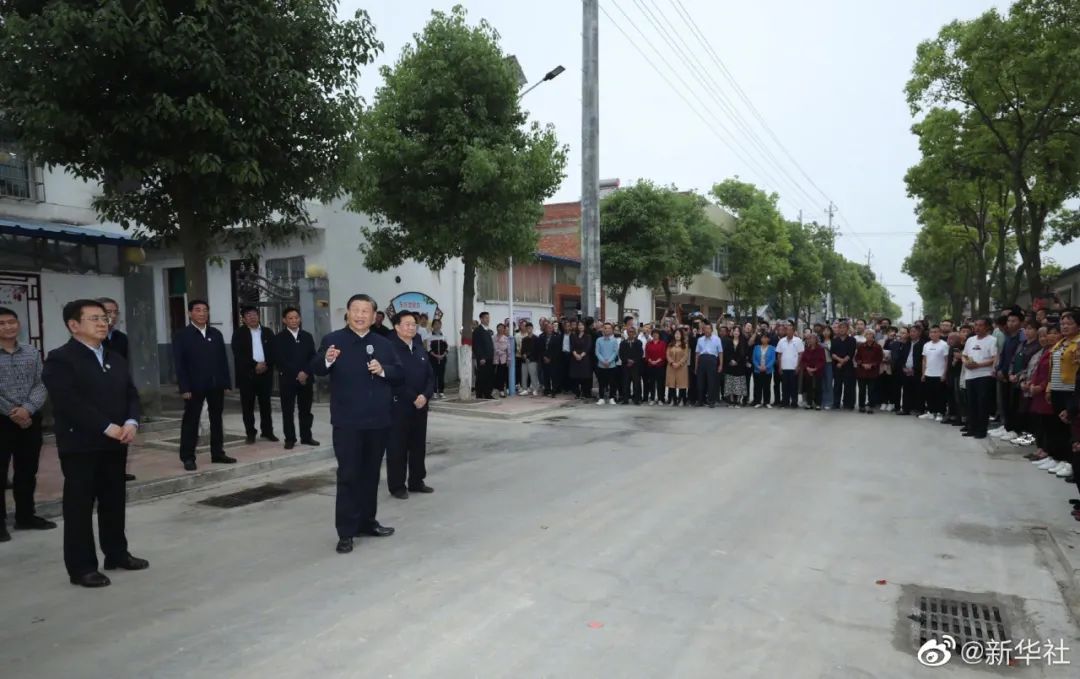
[(980, 355), (789, 349), (935, 357), (708, 366), (253, 358)]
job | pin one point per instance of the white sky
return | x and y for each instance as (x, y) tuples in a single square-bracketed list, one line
[(826, 76)]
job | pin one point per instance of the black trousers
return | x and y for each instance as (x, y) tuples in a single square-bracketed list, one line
[(551, 376), (762, 388), (812, 389), (631, 383), (20, 448), (1009, 398), (439, 367), (884, 389), (609, 382), (252, 389), (868, 393), (408, 448), (708, 379), (778, 380), (485, 379), (980, 393), (292, 395), (914, 402), (654, 383), (934, 392), (843, 388), (189, 426), (789, 397), (359, 454), (95, 477)]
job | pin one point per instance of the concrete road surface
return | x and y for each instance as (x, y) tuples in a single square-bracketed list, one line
[(603, 542)]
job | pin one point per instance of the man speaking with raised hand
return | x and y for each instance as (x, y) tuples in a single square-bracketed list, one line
[(363, 369)]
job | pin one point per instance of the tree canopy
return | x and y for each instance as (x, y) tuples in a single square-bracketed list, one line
[(199, 119), (450, 167)]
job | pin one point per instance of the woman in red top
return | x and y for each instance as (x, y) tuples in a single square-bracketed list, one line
[(655, 369), (868, 358), (812, 369), (1037, 388)]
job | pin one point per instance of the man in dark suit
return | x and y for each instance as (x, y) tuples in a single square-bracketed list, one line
[(911, 366), (408, 438), (202, 371), (253, 347), (96, 416), (116, 340), (484, 357), (294, 348), (363, 369), (551, 359)]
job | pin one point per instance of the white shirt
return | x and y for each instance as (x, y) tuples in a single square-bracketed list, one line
[(295, 333), (257, 353), (860, 339), (981, 350), (202, 330), (910, 362), (789, 350), (937, 358)]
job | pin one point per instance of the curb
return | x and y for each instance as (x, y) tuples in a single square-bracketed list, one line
[(152, 490), (472, 411)]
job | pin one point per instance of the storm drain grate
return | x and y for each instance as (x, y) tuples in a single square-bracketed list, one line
[(247, 496), (964, 621)]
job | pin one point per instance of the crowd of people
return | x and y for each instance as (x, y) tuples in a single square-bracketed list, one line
[(1018, 371)]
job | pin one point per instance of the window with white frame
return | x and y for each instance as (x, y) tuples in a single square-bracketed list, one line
[(20, 178)]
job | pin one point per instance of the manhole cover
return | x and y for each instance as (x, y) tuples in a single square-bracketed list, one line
[(247, 496)]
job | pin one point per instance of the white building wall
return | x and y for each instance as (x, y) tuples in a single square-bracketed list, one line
[(57, 289)]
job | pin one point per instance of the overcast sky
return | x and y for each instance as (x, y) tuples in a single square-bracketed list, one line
[(827, 77)]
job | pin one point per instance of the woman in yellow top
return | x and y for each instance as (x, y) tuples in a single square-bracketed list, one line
[(677, 379), (1064, 361)]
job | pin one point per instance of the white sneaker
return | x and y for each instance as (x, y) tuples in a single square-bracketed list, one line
[(600, 402), (757, 405), (1048, 463), (1065, 471), (1056, 468), (1028, 440), (939, 418), (611, 401), (926, 416), (996, 431), (1009, 436)]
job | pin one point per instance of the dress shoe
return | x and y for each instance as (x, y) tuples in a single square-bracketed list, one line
[(379, 531), (344, 545), (968, 434), (223, 459), (127, 563), (310, 442), (289, 445), (92, 579), (34, 523), (422, 488), (400, 494), (189, 465), (1075, 503), (129, 477), (250, 439), (271, 438), (5, 536)]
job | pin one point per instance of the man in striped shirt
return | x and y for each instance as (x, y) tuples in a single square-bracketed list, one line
[(22, 395)]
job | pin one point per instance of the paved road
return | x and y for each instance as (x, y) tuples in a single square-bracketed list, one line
[(616, 542)]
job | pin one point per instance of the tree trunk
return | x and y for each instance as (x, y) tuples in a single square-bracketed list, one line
[(194, 247), (956, 303), (667, 297), (621, 299), (465, 355)]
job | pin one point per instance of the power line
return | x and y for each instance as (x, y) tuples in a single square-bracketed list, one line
[(709, 124), (671, 35)]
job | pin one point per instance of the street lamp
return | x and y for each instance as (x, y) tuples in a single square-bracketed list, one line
[(512, 365)]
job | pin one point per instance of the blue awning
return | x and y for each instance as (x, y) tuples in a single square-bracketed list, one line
[(71, 233)]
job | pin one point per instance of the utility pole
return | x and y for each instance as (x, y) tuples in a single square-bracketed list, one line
[(590, 159), (869, 256), (912, 321), (800, 217), (830, 303)]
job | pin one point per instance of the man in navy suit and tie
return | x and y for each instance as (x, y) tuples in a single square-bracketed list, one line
[(408, 439), (202, 371), (96, 416), (294, 348), (363, 369)]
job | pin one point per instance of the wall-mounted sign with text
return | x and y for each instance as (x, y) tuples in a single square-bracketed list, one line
[(416, 302)]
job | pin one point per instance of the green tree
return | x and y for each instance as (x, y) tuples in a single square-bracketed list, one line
[(197, 117), (640, 235), (450, 167), (944, 267), (690, 255), (805, 282), (1019, 77), (757, 247)]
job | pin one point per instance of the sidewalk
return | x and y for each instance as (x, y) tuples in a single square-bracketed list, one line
[(155, 459)]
